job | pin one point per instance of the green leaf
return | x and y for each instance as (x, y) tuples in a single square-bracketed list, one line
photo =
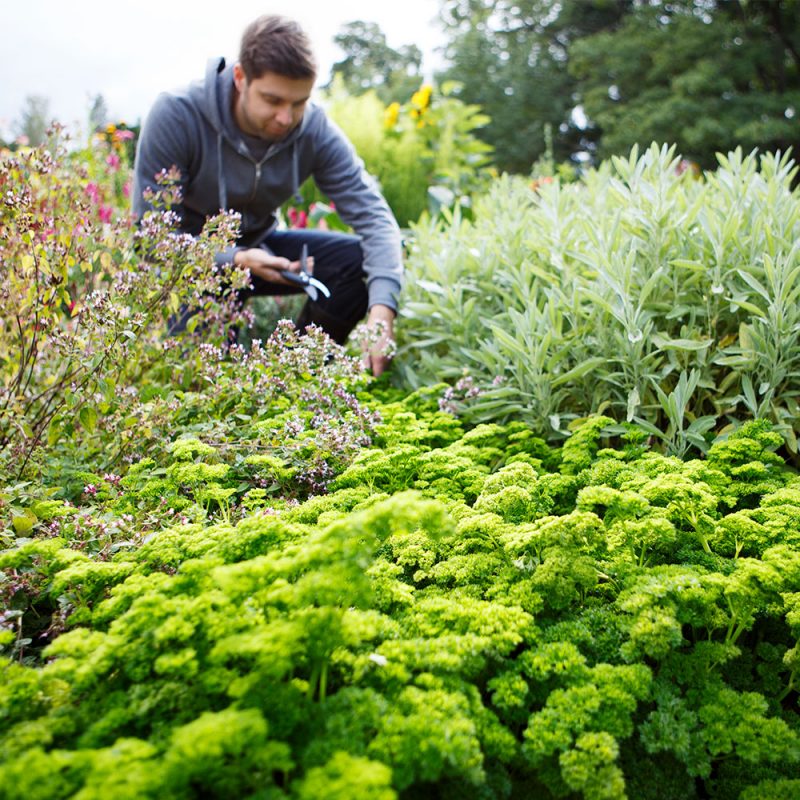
[(681, 344), (53, 433), (684, 263), (747, 306), (88, 418), (579, 371), (633, 404), (749, 392), (23, 523), (755, 284)]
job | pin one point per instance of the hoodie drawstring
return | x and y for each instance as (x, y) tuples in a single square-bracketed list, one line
[(223, 188), (298, 197)]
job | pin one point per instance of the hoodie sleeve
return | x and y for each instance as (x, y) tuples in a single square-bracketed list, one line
[(341, 176), (163, 143), (168, 139)]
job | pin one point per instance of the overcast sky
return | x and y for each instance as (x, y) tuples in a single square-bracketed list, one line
[(128, 52)]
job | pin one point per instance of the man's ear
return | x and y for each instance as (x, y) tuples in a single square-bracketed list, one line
[(239, 78)]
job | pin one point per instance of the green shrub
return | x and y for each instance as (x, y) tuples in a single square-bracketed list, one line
[(86, 296), (639, 293), (573, 624)]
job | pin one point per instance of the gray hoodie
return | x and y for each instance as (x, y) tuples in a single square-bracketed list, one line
[(195, 131)]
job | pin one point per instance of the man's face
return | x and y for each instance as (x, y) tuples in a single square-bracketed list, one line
[(270, 106)]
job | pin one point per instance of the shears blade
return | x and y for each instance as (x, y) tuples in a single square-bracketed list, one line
[(311, 286)]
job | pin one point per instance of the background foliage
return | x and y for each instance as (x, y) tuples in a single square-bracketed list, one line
[(424, 153), (704, 76), (601, 75), (707, 75), (511, 59), (369, 63)]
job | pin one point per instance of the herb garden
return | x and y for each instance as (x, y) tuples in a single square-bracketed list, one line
[(553, 553)]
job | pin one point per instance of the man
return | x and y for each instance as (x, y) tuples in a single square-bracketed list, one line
[(245, 139)]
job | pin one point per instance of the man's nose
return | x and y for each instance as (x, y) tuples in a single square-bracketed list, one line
[(284, 115)]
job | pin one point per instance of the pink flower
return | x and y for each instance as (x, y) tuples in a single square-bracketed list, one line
[(126, 189), (93, 190), (685, 165), (90, 489), (105, 212), (297, 219), (113, 161)]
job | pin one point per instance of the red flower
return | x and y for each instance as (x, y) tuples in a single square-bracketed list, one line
[(297, 219)]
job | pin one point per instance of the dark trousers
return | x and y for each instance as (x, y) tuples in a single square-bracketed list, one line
[(338, 261)]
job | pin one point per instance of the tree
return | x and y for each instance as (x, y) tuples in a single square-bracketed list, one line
[(707, 75), (512, 57), (34, 119), (98, 113), (370, 63)]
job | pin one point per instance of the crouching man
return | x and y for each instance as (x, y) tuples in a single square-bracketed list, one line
[(245, 139)]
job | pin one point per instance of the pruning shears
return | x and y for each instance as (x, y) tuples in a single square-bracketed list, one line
[(311, 286)]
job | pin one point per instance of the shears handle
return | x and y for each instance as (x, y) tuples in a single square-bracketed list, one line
[(313, 288), (301, 279)]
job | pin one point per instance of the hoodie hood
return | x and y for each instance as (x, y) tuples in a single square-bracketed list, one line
[(218, 95), (217, 92)]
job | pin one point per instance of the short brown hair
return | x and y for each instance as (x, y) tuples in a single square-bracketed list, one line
[(276, 44)]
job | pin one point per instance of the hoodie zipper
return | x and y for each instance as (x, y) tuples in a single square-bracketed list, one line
[(271, 151), (256, 180)]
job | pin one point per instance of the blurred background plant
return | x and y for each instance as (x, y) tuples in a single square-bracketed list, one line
[(706, 75), (370, 64), (424, 153)]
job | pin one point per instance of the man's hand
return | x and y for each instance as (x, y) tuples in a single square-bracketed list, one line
[(267, 266), (380, 322)]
